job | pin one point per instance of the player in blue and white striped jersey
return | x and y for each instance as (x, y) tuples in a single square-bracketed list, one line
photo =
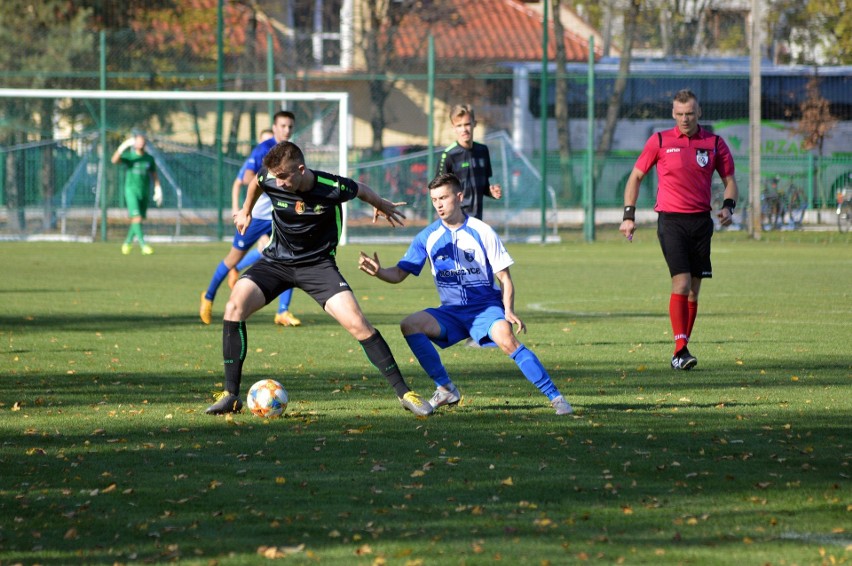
[(470, 267)]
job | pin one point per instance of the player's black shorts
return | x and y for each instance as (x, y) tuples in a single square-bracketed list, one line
[(685, 240), (320, 280)]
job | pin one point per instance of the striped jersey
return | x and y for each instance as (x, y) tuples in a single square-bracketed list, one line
[(306, 226), (463, 260)]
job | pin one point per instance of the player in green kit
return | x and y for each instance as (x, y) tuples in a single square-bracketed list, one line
[(141, 170)]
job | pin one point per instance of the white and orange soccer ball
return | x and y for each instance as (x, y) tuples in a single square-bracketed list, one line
[(267, 398)]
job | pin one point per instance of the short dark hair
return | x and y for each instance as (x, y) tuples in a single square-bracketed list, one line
[(283, 114), (446, 179), (684, 95), (283, 152)]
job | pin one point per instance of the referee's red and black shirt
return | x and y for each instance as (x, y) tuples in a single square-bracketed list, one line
[(685, 167)]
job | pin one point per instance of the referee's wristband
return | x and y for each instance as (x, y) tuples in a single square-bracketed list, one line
[(629, 213), (730, 204)]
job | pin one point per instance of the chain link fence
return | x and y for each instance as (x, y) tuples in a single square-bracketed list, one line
[(51, 161)]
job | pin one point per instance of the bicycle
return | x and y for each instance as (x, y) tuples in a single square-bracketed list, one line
[(844, 209), (773, 205), (782, 209), (797, 203)]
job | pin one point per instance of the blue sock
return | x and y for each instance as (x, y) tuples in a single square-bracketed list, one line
[(252, 256), (284, 300), (533, 370), (428, 357), (218, 276)]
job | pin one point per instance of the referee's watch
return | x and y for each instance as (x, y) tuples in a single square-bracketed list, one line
[(730, 204)]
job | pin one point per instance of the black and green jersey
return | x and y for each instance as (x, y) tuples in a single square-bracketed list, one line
[(473, 168), (306, 226)]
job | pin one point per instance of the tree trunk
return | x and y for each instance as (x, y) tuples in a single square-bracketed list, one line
[(14, 196), (562, 121), (607, 29), (379, 91), (47, 166), (665, 31), (614, 104), (699, 45)]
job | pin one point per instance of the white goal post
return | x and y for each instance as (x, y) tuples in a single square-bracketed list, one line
[(340, 98)]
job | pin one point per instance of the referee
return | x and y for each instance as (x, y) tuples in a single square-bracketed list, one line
[(686, 157)]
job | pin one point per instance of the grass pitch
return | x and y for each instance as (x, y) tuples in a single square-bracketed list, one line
[(107, 458)]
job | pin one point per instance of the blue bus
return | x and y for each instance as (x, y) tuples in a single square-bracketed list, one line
[(721, 84)]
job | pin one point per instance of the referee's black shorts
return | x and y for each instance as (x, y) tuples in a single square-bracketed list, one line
[(685, 240), (321, 280)]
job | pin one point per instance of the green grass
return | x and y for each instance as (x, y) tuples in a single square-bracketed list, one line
[(107, 457)]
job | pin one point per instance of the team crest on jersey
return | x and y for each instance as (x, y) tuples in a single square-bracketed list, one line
[(300, 207), (702, 156), (469, 255)]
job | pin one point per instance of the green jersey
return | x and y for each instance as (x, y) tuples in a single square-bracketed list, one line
[(139, 169)]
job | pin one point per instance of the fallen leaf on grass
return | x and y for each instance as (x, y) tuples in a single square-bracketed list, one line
[(273, 552)]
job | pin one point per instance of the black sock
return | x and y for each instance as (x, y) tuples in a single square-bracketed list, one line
[(234, 344), (379, 354)]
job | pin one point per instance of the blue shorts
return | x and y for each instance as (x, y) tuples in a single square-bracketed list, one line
[(256, 229), (458, 322)]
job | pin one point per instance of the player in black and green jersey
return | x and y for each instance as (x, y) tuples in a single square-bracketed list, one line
[(470, 161), (307, 219), (141, 170)]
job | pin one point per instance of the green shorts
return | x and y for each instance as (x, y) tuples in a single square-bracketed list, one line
[(137, 205)]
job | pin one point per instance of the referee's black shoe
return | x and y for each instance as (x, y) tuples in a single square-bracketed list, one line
[(684, 360)]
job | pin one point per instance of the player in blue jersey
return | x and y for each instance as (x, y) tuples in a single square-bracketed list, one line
[(470, 161), (471, 271), (307, 217), (241, 253)]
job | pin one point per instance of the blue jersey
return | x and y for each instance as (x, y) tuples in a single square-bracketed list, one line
[(463, 260), (263, 207), (254, 163)]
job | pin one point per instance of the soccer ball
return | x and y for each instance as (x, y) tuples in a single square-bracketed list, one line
[(267, 398)]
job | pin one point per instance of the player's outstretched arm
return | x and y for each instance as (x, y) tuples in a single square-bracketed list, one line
[(372, 266), (382, 206)]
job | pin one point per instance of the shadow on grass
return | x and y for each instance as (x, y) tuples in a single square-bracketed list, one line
[(130, 470)]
